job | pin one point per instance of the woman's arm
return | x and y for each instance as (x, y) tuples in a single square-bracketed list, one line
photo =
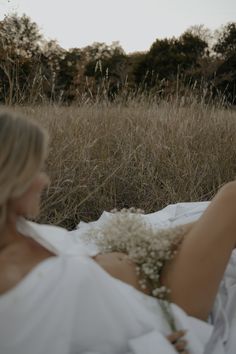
[(189, 226), (194, 274)]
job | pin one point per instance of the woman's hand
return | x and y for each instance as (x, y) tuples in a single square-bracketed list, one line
[(176, 340)]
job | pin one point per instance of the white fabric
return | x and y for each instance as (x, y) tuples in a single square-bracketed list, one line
[(147, 342), (69, 305)]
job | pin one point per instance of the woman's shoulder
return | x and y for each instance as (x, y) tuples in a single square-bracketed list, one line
[(18, 260), (24, 260), (37, 242)]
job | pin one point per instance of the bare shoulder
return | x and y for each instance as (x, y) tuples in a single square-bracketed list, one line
[(119, 266), (17, 261), (10, 276)]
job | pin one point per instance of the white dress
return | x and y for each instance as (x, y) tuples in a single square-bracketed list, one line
[(69, 305)]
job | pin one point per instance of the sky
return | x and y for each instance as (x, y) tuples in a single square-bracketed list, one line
[(136, 24)]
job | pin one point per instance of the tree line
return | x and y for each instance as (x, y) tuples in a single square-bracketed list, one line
[(35, 70)]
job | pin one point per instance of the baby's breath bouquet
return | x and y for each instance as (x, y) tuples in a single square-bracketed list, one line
[(127, 232)]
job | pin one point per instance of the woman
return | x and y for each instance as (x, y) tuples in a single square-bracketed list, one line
[(33, 274)]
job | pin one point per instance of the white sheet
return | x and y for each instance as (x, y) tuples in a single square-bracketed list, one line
[(223, 316), (68, 304)]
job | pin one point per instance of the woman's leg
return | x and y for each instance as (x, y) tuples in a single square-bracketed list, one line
[(194, 274)]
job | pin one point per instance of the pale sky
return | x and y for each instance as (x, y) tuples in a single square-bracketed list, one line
[(134, 23)]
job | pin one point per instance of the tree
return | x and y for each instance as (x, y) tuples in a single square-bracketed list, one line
[(168, 58), (68, 80), (226, 43), (20, 41), (202, 32), (19, 36), (160, 62), (225, 79), (52, 54), (192, 47), (107, 65)]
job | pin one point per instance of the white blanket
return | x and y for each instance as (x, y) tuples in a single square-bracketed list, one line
[(68, 304), (223, 316)]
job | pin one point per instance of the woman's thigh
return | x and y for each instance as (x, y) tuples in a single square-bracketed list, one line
[(194, 274)]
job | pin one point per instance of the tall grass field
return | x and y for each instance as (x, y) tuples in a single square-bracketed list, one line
[(137, 153)]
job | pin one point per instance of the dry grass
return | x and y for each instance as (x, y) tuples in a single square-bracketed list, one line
[(140, 154)]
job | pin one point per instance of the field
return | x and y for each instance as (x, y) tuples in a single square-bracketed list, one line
[(136, 153)]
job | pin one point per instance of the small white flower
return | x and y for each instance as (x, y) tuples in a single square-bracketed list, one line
[(127, 232)]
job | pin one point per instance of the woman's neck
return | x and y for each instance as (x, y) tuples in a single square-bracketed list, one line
[(9, 235)]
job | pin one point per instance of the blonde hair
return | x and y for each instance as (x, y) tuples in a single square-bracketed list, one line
[(23, 146)]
